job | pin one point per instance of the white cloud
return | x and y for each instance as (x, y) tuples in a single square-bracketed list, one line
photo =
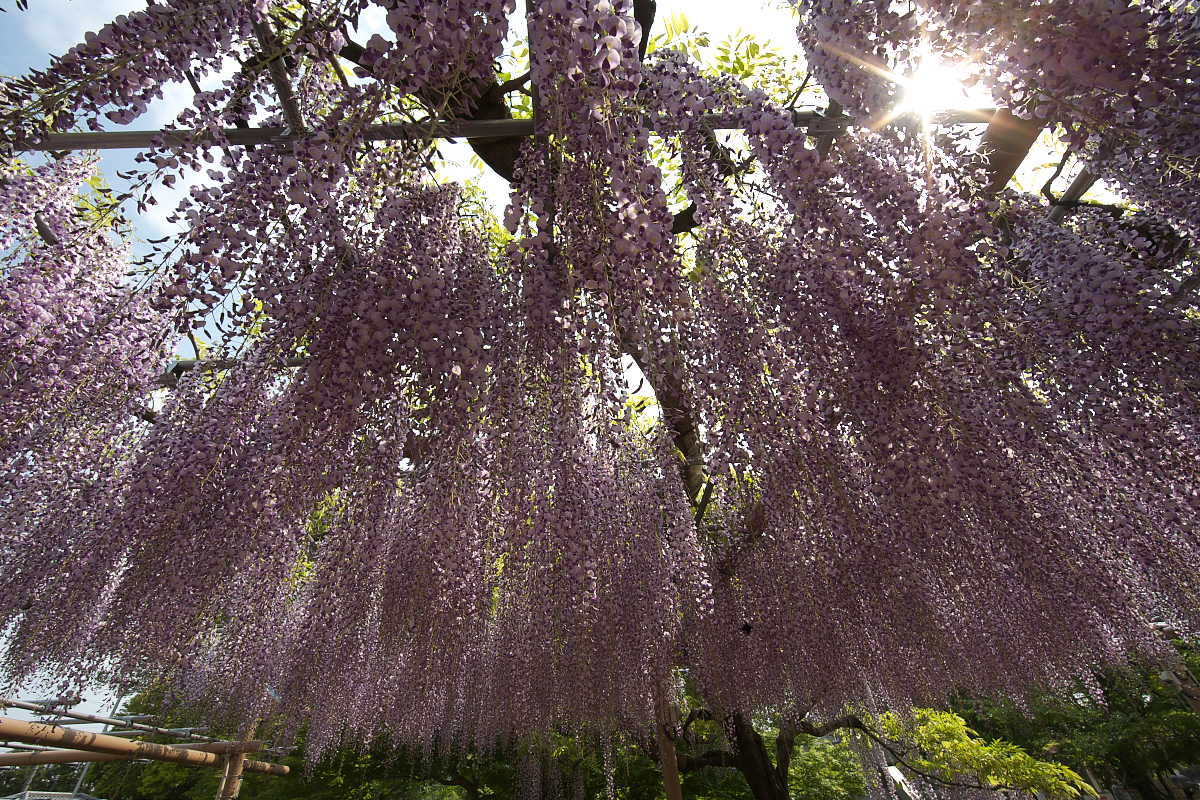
[(372, 21), (59, 26)]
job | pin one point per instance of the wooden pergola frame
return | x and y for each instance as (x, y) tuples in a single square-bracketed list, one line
[(75, 746), (816, 123), (55, 743)]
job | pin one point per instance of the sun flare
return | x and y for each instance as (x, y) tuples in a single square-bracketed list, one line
[(937, 86)]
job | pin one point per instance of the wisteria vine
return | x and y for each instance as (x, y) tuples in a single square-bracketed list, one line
[(907, 434)]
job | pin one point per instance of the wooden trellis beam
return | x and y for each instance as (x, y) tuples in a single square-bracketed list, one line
[(92, 743), (816, 123), (117, 722), (49, 755)]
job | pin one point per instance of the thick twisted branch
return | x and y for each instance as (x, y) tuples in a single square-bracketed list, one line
[(711, 758)]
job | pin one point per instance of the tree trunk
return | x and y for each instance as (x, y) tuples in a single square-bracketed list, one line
[(1142, 783), (766, 782)]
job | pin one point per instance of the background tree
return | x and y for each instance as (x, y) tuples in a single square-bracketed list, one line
[(931, 747), (1130, 727)]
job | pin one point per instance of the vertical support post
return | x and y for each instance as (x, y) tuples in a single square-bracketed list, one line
[(83, 772), (231, 781), (534, 73), (33, 771), (664, 721), (235, 765)]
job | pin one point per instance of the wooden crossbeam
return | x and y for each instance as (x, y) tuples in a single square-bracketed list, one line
[(84, 745), (117, 722), (1083, 181), (816, 123), (279, 76), (1005, 144)]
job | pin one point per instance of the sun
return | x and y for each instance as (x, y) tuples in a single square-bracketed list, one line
[(936, 86)]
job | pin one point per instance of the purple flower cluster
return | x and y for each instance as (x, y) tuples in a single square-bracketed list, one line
[(851, 46), (1118, 76), (116, 72), (926, 436), (442, 51), (77, 349)]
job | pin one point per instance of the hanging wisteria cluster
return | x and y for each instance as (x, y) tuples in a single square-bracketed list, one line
[(908, 435)]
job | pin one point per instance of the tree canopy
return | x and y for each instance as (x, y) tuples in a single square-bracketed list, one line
[(909, 429)]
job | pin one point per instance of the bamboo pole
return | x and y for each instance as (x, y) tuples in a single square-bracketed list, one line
[(45, 733), (47, 755), (124, 723), (235, 764), (231, 782)]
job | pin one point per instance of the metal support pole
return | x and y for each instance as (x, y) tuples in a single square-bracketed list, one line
[(816, 123), (1083, 181), (83, 772), (1005, 145)]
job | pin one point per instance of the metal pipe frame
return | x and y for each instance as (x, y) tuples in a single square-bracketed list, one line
[(1083, 181)]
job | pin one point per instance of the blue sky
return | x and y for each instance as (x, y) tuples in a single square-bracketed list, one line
[(27, 40)]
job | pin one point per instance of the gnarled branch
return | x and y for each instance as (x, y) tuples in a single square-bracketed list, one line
[(711, 758)]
